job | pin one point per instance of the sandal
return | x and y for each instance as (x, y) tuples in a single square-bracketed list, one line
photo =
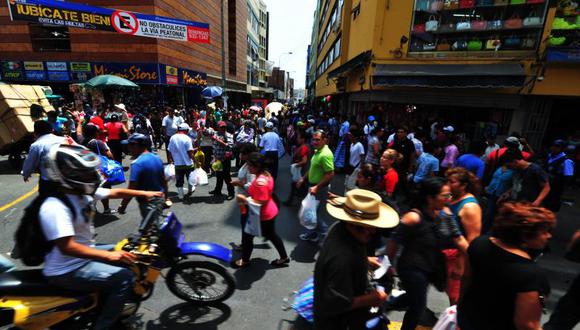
[(240, 264), (280, 262)]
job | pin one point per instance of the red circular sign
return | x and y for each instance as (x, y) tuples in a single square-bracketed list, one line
[(125, 22)]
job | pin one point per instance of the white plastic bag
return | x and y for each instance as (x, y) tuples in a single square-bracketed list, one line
[(253, 226), (192, 179), (169, 171), (307, 212), (350, 181), (447, 320), (296, 172), (201, 176)]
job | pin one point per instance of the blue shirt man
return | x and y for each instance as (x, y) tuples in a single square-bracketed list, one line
[(472, 163), (427, 166)]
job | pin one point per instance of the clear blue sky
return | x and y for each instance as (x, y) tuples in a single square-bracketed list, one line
[(290, 30)]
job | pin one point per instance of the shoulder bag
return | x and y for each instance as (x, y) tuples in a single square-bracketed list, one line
[(459, 45), (479, 25), (463, 26), (495, 24), (466, 4), (474, 45), (443, 46), (432, 24), (419, 28), (422, 5), (532, 20), (513, 42), (430, 46), (515, 22)]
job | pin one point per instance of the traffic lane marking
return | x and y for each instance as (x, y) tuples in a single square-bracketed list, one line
[(19, 199)]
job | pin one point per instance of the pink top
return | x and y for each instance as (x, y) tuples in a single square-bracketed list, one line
[(261, 189), (451, 154)]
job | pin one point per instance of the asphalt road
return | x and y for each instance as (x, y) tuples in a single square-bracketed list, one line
[(259, 299)]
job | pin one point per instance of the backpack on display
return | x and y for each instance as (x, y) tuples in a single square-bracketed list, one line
[(31, 244)]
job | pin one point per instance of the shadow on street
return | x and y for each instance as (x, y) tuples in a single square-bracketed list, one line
[(187, 316)]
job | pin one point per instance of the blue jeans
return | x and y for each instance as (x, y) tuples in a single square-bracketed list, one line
[(321, 225), (416, 283), (114, 284)]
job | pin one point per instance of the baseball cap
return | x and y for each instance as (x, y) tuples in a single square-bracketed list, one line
[(512, 141), (559, 143), (137, 138), (222, 124), (183, 127), (269, 124), (371, 118), (449, 129)]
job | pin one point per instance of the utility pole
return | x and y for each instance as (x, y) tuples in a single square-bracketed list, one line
[(223, 47)]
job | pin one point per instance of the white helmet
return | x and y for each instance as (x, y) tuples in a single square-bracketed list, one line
[(75, 168)]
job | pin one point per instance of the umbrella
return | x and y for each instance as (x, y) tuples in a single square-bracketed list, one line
[(274, 107), (107, 80), (255, 108), (211, 92)]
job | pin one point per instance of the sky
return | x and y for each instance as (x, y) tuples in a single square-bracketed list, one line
[(290, 31)]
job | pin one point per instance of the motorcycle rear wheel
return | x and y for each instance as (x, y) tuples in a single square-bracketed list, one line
[(199, 282)]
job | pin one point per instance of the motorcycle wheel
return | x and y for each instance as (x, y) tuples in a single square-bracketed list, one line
[(200, 282)]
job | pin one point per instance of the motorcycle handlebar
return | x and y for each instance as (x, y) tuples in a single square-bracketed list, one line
[(158, 206)]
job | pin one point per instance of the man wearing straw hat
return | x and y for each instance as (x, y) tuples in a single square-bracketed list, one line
[(342, 294)]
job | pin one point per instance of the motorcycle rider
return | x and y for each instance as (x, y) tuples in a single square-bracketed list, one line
[(74, 263)]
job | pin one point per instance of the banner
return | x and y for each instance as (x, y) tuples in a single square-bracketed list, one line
[(143, 73), (106, 19)]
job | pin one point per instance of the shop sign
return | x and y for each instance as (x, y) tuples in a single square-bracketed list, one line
[(80, 76), (58, 76), (170, 70), (563, 55), (33, 66), (35, 75), (145, 73), (107, 19), (80, 66), (12, 70), (56, 66), (172, 80), (192, 78)]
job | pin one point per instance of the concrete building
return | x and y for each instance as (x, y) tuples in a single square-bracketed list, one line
[(58, 56), (257, 50), (470, 64)]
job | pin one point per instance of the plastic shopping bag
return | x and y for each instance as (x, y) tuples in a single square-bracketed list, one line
[(112, 170), (447, 320), (307, 212), (253, 226), (304, 300), (201, 176), (192, 179), (296, 172), (169, 172), (350, 182), (199, 158)]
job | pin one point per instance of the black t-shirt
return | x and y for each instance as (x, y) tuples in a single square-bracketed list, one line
[(340, 274), (406, 148), (497, 277), (532, 180)]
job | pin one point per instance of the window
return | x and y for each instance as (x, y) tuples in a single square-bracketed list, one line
[(330, 57), (47, 38), (356, 11), (333, 18), (323, 17)]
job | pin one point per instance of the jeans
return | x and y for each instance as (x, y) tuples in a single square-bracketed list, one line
[(146, 206), (224, 175), (114, 284), (272, 163), (416, 283), (182, 174), (321, 225), (566, 315), (269, 232)]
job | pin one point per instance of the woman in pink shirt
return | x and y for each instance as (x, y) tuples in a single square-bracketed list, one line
[(451, 154), (261, 192), (115, 132)]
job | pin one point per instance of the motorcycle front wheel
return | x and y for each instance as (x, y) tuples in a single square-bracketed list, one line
[(200, 282)]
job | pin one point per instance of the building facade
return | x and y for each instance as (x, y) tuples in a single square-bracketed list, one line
[(257, 50), (175, 69), (491, 67)]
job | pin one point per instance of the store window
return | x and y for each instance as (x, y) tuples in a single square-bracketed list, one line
[(45, 38), (329, 58), (477, 27), (566, 26)]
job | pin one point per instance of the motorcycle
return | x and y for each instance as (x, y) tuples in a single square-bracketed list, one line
[(28, 301)]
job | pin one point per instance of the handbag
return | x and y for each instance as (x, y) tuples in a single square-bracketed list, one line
[(110, 168), (479, 25), (529, 43), (447, 27), (459, 45), (422, 5), (500, 2), (429, 46), (474, 45), (451, 4), (443, 46), (513, 23), (253, 224), (485, 3), (493, 44), (556, 41), (463, 26), (513, 42), (432, 24), (465, 4), (437, 5), (419, 28), (517, 2), (532, 20), (496, 24)]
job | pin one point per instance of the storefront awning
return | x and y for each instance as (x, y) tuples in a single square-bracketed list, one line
[(450, 75), (355, 62)]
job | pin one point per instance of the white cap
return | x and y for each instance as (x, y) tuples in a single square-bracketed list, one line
[(183, 127), (121, 106), (449, 129), (269, 124)]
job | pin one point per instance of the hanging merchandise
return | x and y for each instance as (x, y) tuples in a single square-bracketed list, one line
[(416, 46), (479, 24), (432, 24), (556, 41), (459, 45), (529, 43), (501, 2), (451, 4), (485, 3), (474, 45), (535, 1), (419, 28), (493, 44), (532, 20), (447, 27), (422, 5), (517, 2), (515, 22), (466, 4), (443, 46), (513, 42), (463, 26), (429, 46), (437, 5), (495, 24)]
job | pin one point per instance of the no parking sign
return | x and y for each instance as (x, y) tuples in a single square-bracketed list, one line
[(125, 22)]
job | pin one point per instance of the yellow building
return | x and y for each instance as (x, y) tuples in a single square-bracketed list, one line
[(487, 66)]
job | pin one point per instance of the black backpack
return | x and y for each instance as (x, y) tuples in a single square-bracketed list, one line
[(31, 244)]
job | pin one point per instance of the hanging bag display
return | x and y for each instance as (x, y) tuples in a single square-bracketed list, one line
[(463, 26), (495, 24), (532, 20), (447, 27), (436, 5), (556, 41), (432, 24), (515, 22), (459, 45), (466, 4), (474, 45), (493, 44), (529, 43), (451, 4), (513, 42), (443, 46), (419, 28), (479, 25), (430, 46), (422, 5)]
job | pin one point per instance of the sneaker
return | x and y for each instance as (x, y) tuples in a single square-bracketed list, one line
[(109, 212), (311, 237)]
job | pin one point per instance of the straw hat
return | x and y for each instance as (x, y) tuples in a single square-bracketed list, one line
[(363, 207)]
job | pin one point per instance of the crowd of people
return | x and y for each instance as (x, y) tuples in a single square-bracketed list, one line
[(468, 217)]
